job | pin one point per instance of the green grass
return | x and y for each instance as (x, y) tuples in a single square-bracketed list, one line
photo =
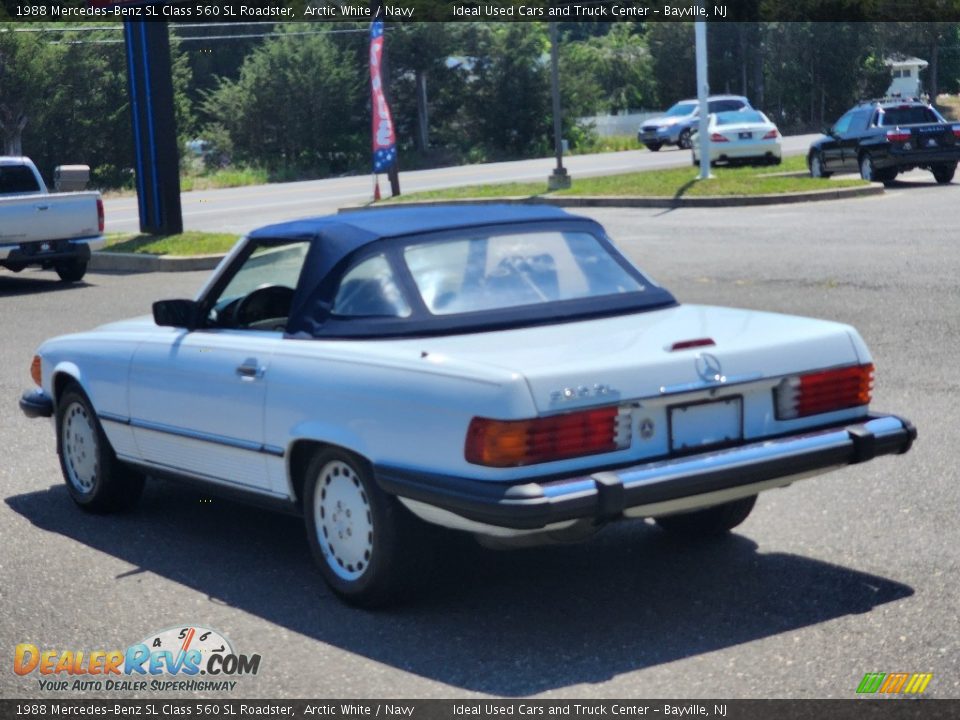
[(226, 178), (609, 143), (679, 182), (184, 244)]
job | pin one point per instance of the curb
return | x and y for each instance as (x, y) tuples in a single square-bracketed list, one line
[(142, 263), (648, 202)]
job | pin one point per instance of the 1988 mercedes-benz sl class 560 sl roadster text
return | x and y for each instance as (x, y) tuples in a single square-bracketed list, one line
[(499, 370)]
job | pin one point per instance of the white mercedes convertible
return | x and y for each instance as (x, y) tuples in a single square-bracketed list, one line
[(499, 370)]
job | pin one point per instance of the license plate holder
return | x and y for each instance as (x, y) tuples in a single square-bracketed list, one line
[(746, 136), (712, 423)]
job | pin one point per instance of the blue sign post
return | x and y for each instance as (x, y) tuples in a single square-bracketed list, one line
[(157, 156)]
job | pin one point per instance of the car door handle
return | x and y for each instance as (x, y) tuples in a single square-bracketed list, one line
[(250, 370), (43, 207)]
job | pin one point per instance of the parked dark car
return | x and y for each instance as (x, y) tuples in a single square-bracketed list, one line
[(882, 138)]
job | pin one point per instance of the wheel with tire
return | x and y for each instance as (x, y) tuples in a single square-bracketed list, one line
[(943, 174), (369, 547), (867, 170), (815, 161), (71, 270), (96, 479), (709, 522), (684, 141), (653, 146)]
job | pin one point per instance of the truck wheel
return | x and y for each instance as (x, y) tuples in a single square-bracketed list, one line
[(684, 140), (943, 174), (369, 547), (96, 479), (653, 146), (71, 270), (867, 170), (815, 161), (710, 522), (887, 176)]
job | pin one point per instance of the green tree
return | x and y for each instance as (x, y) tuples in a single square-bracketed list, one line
[(27, 75), (298, 106)]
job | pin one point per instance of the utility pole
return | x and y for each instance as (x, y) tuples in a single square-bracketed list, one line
[(559, 178), (703, 91)]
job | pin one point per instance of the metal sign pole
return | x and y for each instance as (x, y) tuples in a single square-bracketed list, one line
[(703, 91)]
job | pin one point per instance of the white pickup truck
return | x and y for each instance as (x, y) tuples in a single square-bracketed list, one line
[(52, 230)]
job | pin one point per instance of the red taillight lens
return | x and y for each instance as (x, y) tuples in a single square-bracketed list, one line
[(898, 135), (956, 131), (36, 370), (101, 215), (717, 137), (772, 135), (823, 391), (508, 443)]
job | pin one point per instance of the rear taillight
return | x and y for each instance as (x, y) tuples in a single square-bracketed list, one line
[(772, 135), (101, 216), (823, 391), (717, 137), (898, 135), (36, 370), (956, 131), (509, 443)]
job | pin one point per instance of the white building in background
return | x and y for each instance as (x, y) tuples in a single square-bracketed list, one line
[(905, 76)]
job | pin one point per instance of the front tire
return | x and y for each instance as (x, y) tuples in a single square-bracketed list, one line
[(867, 171), (817, 170), (943, 174), (709, 522), (71, 270), (369, 548), (96, 479), (653, 146)]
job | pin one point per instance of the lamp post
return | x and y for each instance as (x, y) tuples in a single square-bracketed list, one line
[(559, 179)]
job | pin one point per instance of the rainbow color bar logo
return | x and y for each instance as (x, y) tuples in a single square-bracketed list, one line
[(894, 683)]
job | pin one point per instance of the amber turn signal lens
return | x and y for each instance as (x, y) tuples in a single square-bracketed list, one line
[(510, 443), (35, 370)]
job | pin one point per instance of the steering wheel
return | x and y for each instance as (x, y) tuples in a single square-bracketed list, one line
[(264, 303)]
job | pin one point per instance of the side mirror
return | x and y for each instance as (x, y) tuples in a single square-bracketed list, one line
[(827, 130), (177, 313)]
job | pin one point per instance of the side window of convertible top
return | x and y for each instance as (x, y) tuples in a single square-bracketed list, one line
[(259, 294), (369, 289)]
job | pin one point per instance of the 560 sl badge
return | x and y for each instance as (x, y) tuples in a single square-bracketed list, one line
[(598, 390)]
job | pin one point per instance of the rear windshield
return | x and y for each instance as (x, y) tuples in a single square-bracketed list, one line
[(17, 180), (740, 117), (502, 271), (911, 115)]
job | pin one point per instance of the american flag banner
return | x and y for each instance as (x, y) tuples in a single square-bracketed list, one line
[(384, 139)]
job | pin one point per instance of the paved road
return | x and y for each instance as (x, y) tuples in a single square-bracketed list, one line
[(239, 210), (829, 579)]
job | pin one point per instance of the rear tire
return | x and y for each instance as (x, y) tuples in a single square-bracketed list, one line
[(71, 270), (815, 161), (710, 522), (370, 549), (943, 174), (97, 481), (684, 141)]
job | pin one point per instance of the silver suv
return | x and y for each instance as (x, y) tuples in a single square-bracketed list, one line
[(676, 125)]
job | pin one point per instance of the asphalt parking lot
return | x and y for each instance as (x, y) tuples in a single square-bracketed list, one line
[(834, 577)]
